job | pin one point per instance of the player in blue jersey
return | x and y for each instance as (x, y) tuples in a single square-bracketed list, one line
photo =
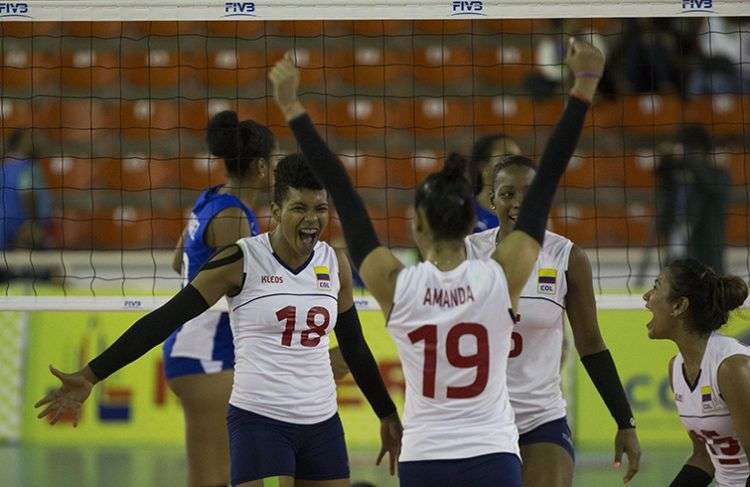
[(199, 356)]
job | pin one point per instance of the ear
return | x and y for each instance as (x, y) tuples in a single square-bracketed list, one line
[(680, 306), (276, 212)]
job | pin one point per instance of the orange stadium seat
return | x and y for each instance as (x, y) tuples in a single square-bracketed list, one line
[(370, 172), (141, 173), (580, 172), (443, 26), (503, 65), (651, 113), (167, 28), (382, 27), (504, 111), (193, 173), (727, 114), (242, 30), (509, 26), (68, 172), (609, 171), (235, 69), (15, 113), (16, 29), (85, 69), (639, 170), (401, 172), (193, 114), (399, 233), (444, 112), (98, 29), (76, 229), (439, 64)]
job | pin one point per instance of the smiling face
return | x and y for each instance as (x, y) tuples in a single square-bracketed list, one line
[(301, 217), (665, 312), (511, 184)]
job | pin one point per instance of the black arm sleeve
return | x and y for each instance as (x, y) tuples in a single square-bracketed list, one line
[(149, 331), (601, 368), (362, 364), (691, 476), (359, 233), (532, 218)]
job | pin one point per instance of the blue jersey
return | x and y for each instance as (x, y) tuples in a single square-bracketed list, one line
[(209, 204), (17, 176), (203, 345), (486, 219)]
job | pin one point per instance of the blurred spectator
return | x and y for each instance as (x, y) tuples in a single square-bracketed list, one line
[(549, 56), (488, 150), (25, 209), (651, 55), (692, 198), (724, 64)]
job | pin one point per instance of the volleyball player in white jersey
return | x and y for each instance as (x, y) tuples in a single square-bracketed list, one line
[(286, 292), (451, 318), (560, 282), (710, 376)]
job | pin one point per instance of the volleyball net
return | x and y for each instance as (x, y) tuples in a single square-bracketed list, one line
[(103, 130)]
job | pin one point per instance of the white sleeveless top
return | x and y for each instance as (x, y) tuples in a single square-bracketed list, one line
[(703, 411), (280, 322), (452, 330), (534, 363)]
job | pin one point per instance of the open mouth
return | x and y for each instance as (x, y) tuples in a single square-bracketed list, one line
[(308, 236)]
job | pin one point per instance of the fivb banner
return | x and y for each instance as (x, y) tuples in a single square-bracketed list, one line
[(135, 404)]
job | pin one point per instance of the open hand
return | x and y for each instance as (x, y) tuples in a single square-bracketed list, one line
[(67, 399), (390, 440), (626, 441)]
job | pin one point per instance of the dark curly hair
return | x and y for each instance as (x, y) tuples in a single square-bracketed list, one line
[(240, 144), (292, 171), (710, 296), (447, 198)]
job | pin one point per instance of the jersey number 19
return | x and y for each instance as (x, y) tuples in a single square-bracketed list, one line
[(479, 360)]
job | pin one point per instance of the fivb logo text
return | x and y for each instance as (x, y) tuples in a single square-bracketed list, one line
[(467, 7), (14, 9), (239, 9), (697, 6)]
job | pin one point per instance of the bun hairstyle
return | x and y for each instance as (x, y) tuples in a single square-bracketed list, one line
[(240, 144), (711, 297), (447, 199)]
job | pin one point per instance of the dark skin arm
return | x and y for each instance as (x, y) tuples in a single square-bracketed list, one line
[(581, 308)]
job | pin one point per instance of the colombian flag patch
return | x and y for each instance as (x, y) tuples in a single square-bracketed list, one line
[(706, 393), (547, 281), (323, 276)]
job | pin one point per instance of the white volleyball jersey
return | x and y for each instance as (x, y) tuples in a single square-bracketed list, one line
[(703, 411), (280, 321), (452, 330), (534, 360)]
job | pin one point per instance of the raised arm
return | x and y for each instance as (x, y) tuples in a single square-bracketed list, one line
[(518, 252), (221, 275), (376, 264)]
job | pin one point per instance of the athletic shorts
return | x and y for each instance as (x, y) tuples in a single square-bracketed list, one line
[(261, 447), (492, 470), (556, 432), (201, 346)]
